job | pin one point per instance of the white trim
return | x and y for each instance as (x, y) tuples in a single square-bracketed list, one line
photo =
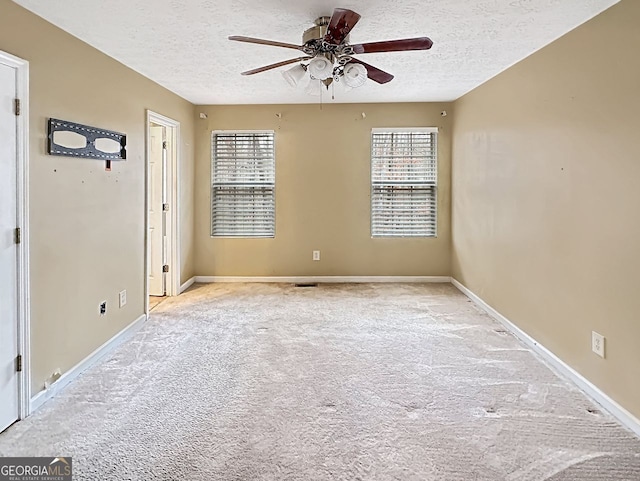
[(24, 289), (187, 285), (383, 130), (173, 192), (259, 131), (326, 279), (616, 410), (92, 359)]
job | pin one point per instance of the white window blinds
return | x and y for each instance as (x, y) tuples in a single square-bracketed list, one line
[(243, 184), (404, 183)]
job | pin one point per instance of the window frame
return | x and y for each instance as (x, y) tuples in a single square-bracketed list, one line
[(214, 133), (372, 185)]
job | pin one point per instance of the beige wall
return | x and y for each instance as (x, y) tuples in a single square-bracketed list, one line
[(87, 225), (322, 193), (546, 172)]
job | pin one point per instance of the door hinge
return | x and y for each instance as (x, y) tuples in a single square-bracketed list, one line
[(18, 235), (19, 363), (16, 103), (165, 268), (164, 144), (165, 207)]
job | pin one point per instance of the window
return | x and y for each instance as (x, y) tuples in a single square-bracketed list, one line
[(403, 182), (242, 184)]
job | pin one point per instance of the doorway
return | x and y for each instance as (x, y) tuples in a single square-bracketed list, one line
[(14, 282), (157, 218), (162, 260)]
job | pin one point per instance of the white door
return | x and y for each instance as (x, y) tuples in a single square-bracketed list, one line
[(156, 214), (9, 407)]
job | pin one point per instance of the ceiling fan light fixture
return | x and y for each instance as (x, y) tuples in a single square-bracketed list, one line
[(328, 52), (314, 88), (355, 75), (294, 75), (321, 68)]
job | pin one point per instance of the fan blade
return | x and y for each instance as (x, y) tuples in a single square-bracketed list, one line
[(421, 43), (375, 73), (264, 42), (275, 65), (341, 23)]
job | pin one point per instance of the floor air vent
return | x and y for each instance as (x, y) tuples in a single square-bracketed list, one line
[(306, 284)]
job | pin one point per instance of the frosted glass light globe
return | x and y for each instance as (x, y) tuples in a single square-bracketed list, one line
[(321, 68), (355, 75)]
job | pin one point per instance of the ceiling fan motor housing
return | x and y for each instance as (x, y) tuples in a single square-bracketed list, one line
[(318, 31)]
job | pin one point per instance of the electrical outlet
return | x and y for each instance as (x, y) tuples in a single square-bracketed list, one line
[(316, 255), (123, 298), (103, 308), (597, 343)]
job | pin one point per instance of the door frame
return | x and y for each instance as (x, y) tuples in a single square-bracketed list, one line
[(172, 221), (22, 220)]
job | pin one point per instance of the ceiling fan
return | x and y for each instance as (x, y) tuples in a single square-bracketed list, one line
[(329, 55)]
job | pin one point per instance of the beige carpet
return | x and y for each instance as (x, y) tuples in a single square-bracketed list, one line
[(338, 382), (154, 301)]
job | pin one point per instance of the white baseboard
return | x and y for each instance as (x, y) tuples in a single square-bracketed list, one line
[(43, 396), (187, 285), (616, 410), (325, 279)]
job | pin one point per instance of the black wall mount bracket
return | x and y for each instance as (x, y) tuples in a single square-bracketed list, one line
[(87, 142)]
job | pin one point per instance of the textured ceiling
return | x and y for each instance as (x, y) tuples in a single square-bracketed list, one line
[(183, 45)]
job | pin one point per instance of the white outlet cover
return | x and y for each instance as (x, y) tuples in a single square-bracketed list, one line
[(123, 298), (597, 343), (316, 255)]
